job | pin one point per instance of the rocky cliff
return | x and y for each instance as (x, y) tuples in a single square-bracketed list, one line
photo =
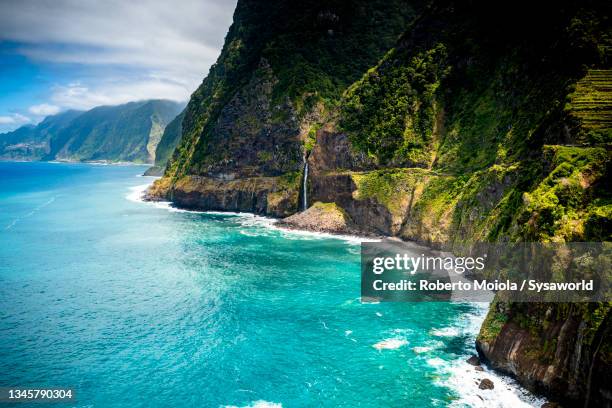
[(481, 122), (128, 132), (166, 146)]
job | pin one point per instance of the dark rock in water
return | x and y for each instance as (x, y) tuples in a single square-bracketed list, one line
[(486, 384), (473, 360), (478, 368), (550, 405)]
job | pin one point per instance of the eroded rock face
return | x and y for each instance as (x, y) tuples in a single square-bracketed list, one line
[(563, 359), (371, 216), (322, 217), (247, 139), (333, 152), (260, 195)]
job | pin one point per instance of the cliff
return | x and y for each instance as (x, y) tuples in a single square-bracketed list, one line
[(128, 132), (166, 146), (481, 122), (282, 69)]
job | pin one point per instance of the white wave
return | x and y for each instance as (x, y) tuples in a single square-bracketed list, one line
[(137, 195), (249, 220), (445, 332), (422, 349), (506, 393), (137, 192), (436, 362), (464, 379), (258, 404), (301, 234), (390, 344)]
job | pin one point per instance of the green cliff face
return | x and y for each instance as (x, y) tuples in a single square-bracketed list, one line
[(494, 134), (282, 68), (128, 132), (32, 142), (167, 144), (482, 122)]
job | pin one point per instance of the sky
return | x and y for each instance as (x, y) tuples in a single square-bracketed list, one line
[(76, 54)]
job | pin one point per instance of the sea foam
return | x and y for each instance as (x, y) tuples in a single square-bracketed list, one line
[(464, 379), (247, 220), (390, 344), (258, 404)]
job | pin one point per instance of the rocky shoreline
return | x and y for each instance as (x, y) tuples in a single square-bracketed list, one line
[(329, 218)]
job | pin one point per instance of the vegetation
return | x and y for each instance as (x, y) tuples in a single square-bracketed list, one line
[(128, 132), (169, 141), (314, 50), (390, 113), (480, 123), (389, 187)]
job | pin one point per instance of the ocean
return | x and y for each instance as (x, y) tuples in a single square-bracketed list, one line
[(136, 304)]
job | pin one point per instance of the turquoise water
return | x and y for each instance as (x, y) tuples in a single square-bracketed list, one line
[(136, 306)]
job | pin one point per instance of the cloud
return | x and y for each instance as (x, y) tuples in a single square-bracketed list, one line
[(117, 91), (44, 109), (149, 32), (15, 119), (171, 45)]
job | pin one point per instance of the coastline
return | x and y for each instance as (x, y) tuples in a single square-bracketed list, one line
[(457, 374), (92, 162)]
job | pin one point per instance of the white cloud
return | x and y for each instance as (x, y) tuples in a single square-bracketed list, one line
[(44, 109), (117, 91), (14, 119), (177, 43)]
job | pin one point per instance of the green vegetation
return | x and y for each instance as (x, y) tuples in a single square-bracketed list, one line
[(128, 132), (564, 199), (314, 51), (311, 137), (389, 187), (390, 112), (591, 105), (169, 140), (330, 208), (493, 324), (480, 123)]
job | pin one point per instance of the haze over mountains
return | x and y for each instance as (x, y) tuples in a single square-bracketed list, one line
[(128, 132)]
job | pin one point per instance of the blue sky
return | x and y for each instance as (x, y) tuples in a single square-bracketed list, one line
[(77, 54)]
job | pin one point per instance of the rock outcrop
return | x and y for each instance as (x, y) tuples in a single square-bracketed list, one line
[(322, 217)]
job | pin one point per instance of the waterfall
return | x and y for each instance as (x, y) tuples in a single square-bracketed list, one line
[(305, 187)]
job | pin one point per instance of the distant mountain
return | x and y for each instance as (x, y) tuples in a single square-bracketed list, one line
[(167, 144), (128, 132)]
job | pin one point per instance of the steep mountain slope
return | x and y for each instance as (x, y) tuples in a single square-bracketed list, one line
[(484, 122), (283, 66), (128, 132), (167, 144), (32, 142)]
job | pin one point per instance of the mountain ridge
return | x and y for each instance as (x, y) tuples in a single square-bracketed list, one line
[(127, 132)]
